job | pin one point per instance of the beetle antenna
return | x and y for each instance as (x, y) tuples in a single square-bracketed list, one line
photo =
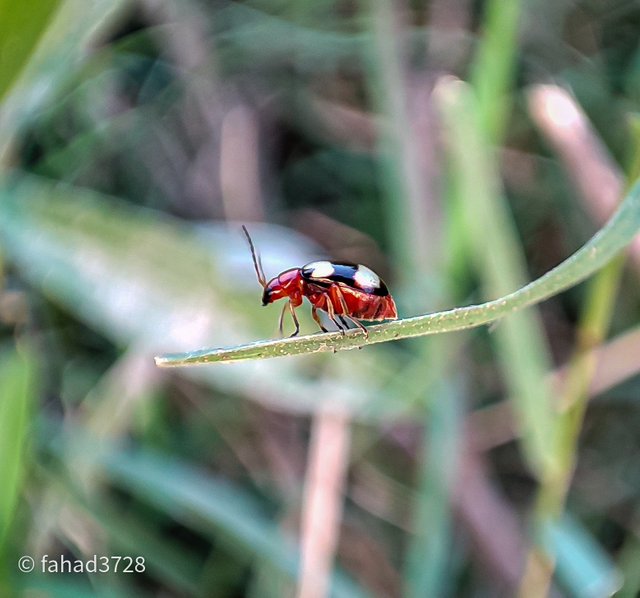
[(257, 262)]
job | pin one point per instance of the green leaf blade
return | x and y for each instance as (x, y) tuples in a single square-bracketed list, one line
[(604, 246), (22, 25), (17, 380)]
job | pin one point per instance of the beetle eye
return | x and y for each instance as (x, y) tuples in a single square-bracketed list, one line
[(266, 297)]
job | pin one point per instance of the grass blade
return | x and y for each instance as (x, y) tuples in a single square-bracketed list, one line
[(492, 72), (18, 384), (17, 378), (52, 36), (429, 553), (582, 565), (604, 246), (520, 343), (21, 27)]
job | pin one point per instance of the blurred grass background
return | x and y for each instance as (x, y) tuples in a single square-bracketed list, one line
[(138, 135)]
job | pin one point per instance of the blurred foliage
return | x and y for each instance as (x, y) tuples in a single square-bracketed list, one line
[(138, 135)]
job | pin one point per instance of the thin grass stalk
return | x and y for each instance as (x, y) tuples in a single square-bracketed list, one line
[(406, 200), (592, 328), (322, 504), (404, 187), (619, 231), (493, 69), (519, 341), (429, 554)]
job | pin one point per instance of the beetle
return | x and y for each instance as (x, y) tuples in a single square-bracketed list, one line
[(346, 292)]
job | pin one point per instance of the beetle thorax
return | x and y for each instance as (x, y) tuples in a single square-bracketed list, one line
[(287, 284)]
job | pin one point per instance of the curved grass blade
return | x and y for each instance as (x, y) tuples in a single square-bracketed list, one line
[(604, 246)]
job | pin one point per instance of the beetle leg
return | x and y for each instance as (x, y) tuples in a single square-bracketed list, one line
[(335, 289), (314, 314), (345, 311), (360, 325), (332, 315), (295, 318), (281, 320)]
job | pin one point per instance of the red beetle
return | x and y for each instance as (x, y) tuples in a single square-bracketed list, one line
[(347, 292)]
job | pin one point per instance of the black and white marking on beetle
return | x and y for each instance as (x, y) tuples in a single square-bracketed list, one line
[(322, 269)]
